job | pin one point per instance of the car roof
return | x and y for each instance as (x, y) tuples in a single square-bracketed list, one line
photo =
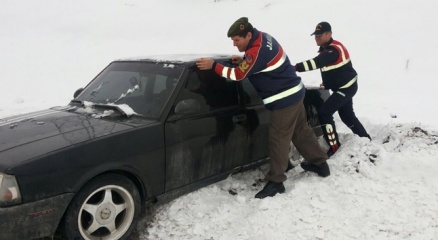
[(186, 59), (177, 58)]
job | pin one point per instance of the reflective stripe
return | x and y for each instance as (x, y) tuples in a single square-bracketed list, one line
[(276, 65), (306, 67), (232, 74), (330, 134), (349, 83), (340, 93), (283, 94), (229, 73), (325, 69), (224, 72), (313, 64), (344, 59)]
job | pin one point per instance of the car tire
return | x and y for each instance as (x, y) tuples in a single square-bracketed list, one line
[(105, 208)]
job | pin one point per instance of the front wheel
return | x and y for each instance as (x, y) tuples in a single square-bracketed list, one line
[(106, 208)]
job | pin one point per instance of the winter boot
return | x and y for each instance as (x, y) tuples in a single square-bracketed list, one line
[(330, 152), (322, 169), (332, 139), (270, 189)]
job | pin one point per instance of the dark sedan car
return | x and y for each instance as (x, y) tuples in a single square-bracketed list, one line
[(143, 130)]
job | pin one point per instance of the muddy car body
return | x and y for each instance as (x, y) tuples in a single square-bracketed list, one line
[(143, 130)]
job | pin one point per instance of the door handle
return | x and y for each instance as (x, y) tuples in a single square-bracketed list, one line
[(239, 118)]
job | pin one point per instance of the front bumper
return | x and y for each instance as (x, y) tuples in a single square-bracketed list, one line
[(33, 220)]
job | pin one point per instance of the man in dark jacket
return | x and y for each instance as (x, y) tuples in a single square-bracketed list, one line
[(269, 70), (338, 75)]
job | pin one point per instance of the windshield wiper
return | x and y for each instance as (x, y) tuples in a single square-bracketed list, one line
[(76, 101)]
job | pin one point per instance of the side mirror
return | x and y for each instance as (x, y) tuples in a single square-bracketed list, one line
[(188, 106), (77, 92)]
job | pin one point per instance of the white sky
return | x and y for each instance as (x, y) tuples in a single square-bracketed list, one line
[(50, 48)]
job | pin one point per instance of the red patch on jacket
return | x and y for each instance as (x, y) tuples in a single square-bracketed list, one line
[(248, 58)]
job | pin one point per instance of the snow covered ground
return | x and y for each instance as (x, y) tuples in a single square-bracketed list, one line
[(390, 196), (383, 189)]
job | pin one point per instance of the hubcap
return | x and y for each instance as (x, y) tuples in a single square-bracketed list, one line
[(107, 213)]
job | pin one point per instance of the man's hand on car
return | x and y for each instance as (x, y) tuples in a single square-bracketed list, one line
[(204, 63), (236, 59)]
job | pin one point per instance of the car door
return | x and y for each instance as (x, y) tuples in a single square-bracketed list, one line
[(258, 123), (206, 131)]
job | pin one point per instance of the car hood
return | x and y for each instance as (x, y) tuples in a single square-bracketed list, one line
[(34, 134)]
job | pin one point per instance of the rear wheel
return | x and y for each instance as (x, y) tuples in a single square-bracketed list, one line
[(105, 208)]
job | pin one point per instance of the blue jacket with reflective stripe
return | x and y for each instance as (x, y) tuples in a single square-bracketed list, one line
[(332, 53), (269, 70)]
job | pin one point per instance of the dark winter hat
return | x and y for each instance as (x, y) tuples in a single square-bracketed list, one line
[(240, 27), (321, 28)]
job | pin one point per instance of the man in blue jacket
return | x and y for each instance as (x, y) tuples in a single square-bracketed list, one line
[(269, 70), (338, 75)]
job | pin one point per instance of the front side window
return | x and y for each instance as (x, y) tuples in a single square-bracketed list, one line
[(211, 91)]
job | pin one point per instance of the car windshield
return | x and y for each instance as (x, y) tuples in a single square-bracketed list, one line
[(144, 87)]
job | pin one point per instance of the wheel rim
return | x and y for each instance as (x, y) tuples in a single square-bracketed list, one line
[(107, 213)]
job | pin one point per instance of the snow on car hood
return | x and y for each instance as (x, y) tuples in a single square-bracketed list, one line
[(30, 135)]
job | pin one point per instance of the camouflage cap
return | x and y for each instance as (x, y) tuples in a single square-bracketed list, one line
[(240, 27)]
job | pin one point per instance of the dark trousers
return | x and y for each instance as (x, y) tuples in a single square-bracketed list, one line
[(288, 124), (341, 101)]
